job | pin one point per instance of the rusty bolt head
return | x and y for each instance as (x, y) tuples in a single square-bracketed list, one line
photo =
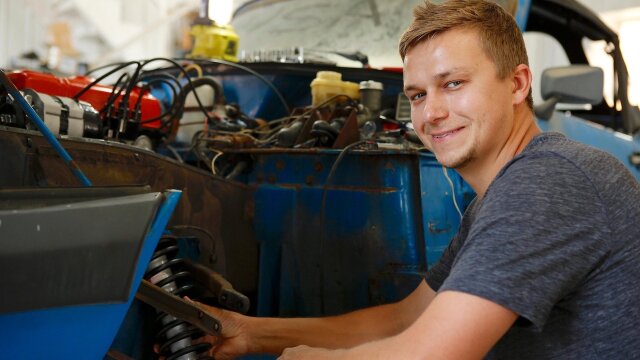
[(309, 180)]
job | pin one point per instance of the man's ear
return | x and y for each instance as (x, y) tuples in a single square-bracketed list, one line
[(521, 83)]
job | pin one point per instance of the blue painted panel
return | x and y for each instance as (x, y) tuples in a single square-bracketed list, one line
[(370, 244), (619, 145), (78, 332), (522, 13), (439, 214)]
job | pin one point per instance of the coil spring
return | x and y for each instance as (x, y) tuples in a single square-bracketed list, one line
[(175, 337)]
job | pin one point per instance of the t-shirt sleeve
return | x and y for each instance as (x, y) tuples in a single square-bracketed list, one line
[(439, 272), (537, 235)]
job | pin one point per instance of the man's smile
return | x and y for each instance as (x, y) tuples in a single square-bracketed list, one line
[(441, 136)]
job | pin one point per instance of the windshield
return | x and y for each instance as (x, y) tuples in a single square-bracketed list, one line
[(323, 27), (372, 27)]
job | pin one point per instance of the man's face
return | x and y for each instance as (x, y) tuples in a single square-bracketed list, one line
[(460, 109)]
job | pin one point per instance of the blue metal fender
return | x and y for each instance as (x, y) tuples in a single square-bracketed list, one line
[(78, 332)]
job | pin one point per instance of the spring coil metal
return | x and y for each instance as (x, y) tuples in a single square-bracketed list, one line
[(165, 270)]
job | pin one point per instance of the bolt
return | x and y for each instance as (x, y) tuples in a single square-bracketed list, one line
[(309, 180)]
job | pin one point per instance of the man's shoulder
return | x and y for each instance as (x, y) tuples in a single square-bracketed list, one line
[(553, 157), (555, 146)]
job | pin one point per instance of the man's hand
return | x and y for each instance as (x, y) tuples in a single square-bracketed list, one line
[(304, 352), (234, 340)]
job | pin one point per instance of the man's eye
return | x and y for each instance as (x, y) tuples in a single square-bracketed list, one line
[(416, 96), (453, 84)]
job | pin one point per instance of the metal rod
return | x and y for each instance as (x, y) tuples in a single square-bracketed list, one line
[(48, 135)]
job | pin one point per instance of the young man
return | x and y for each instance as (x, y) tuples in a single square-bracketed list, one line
[(547, 260)]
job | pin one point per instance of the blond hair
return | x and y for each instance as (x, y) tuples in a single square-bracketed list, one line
[(499, 34)]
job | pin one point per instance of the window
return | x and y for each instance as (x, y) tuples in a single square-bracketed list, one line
[(544, 52)]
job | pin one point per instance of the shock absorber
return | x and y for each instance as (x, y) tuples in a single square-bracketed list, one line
[(166, 271)]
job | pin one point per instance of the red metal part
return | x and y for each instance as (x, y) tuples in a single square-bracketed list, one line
[(393, 69), (97, 96)]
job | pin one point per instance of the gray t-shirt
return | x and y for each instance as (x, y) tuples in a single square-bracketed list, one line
[(556, 239)]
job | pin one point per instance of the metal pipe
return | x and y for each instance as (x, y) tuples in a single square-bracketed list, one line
[(48, 135)]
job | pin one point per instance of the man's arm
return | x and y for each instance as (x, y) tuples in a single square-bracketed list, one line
[(342, 331), (455, 325), (243, 334)]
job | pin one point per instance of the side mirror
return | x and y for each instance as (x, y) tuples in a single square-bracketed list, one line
[(576, 84)]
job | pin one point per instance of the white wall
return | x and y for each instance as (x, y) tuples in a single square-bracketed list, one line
[(600, 6), (102, 30), (22, 28), (112, 30)]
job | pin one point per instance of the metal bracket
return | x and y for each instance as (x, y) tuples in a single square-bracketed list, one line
[(219, 286), (175, 306)]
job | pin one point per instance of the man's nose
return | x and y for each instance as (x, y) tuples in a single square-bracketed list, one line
[(435, 108)]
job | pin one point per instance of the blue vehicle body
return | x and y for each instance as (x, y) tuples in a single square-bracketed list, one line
[(611, 130), (619, 144)]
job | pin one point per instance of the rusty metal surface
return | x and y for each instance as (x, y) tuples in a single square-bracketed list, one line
[(280, 150), (365, 237), (327, 257), (117, 355), (222, 207)]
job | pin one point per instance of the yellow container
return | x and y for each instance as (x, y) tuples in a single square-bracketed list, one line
[(328, 84), (352, 89), (214, 41)]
